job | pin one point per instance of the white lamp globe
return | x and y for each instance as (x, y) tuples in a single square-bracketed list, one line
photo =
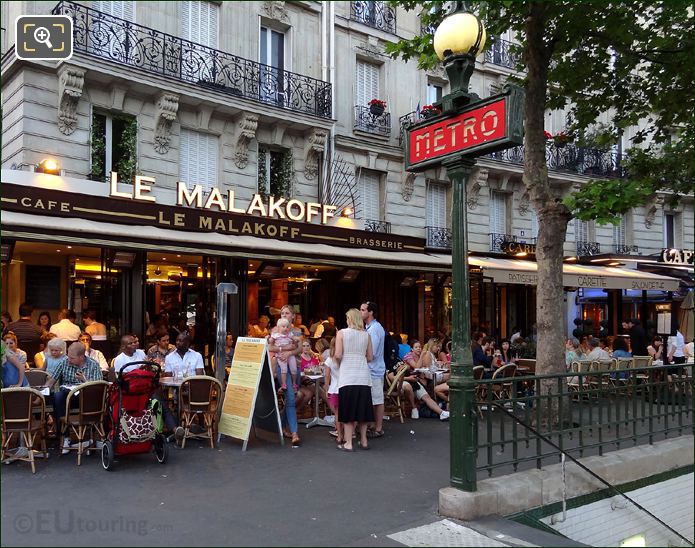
[(459, 34)]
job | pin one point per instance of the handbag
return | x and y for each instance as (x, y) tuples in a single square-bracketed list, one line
[(137, 428)]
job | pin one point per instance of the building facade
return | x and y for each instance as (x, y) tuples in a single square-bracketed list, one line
[(272, 99)]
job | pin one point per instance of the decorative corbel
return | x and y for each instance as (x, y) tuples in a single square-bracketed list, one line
[(524, 204), (70, 86), (277, 11), (247, 131), (476, 181), (167, 107), (408, 186), (650, 209), (316, 143)]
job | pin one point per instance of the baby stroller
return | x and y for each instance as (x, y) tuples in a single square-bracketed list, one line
[(135, 417)]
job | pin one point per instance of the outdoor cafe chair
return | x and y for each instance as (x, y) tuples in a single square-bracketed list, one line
[(639, 362), (36, 377), (394, 392), (579, 383), (502, 390), (23, 417), (87, 417), (199, 397), (480, 389)]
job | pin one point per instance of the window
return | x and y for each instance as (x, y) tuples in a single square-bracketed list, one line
[(434, 93), (122, 9), (672, 230), (367, 82), (199, 22), (498, 213), (369, 205), (114, 142), (620, 234), (436, 205), (275, 172), (198, 159), (272, 57), (581, 231)]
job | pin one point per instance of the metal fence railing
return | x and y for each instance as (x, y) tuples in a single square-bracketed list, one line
[(600, 407)]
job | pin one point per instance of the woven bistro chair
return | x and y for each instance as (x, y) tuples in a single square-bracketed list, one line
[(480, 389), (199, 397), (394, 392), (502, 389), (88, 417), (36, 377), (23, 415)]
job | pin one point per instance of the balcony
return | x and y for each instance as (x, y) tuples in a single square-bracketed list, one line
[(119, 41), (497, 241), (570, 158), (371, 123), (374, 14), (623, 249), (438, 237), (371, 225), (585, 249), (500, 53)]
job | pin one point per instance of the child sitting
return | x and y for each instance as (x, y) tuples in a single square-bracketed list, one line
[(282, 338)]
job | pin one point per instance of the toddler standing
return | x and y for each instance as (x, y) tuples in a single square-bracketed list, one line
[(282, 338)]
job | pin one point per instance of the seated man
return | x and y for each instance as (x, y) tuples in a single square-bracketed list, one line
[(129, 353), (76, 369), (188, 362)]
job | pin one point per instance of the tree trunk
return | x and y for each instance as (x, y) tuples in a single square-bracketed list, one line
[(553, 216)]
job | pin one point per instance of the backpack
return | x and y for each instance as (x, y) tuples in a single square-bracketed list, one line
[(391, 358)]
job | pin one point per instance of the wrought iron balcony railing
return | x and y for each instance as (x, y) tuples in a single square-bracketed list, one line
[(438, 237), (126, 43), (572, 158), (500, 53), (371, 225), (588, 248), (623, 249), (371, 123), (375, 14), (498, 240)]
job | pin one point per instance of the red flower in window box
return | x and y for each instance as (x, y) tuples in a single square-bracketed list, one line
[(548, 135), (428, 111), (377, 107)]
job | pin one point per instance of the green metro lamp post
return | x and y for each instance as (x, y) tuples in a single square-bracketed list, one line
[(466, 128)]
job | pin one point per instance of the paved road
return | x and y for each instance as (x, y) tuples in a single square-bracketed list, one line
[(270, 496)]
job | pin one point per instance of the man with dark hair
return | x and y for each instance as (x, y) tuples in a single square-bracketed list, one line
[(27, 332), (66, 328), (93, 327), (481, 344), (377, 367), (638, 338)]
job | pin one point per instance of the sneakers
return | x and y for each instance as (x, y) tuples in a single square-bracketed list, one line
[(333, 433), (66, 446), (179, 433), (85, 445), (414, 414), (444, 416)]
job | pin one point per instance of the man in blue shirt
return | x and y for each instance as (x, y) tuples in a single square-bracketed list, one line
[(377, 367)]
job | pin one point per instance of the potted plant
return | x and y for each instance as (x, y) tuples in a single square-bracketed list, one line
[(561, 139), (430, 111), (377, 107)]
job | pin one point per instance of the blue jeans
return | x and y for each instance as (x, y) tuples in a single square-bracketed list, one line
[(289, 414), (60, 397)]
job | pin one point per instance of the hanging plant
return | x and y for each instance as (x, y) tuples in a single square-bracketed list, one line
[(127, 164)]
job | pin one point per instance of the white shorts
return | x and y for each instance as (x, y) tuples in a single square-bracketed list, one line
[(420, 392), (377, 390)]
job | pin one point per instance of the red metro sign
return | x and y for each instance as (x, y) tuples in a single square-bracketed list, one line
[(485, 127)]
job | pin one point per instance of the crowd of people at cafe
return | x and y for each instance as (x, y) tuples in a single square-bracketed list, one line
[(357, 362)]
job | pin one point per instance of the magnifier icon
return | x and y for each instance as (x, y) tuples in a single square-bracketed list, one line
[(42, 36)]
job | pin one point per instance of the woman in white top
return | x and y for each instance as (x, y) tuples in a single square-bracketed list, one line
[(353, 349), (675, 349)]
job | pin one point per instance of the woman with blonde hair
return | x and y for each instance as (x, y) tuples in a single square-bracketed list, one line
[(353, 350), (428, 360)]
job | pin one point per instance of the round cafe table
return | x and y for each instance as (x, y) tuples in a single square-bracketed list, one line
[(316, 420)]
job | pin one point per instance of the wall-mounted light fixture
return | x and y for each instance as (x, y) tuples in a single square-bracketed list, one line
[(48, 166)]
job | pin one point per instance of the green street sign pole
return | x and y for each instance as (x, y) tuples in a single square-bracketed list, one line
[(463, 430)]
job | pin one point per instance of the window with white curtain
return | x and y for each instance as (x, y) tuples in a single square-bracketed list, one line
[(366, 82), (370, 195), (434, 93), (198, 21), (436, 205), (124, 9), (498, 213), (198, 154)]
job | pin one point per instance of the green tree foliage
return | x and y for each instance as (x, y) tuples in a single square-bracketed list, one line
[(633, 60)]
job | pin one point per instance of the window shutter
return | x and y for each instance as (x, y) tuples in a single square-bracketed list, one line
[(498, 213), (581, 230), (436, 205), (125, 9), (198, 159), (367, 79), (620, 232), (370, 196), (199, 22)]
